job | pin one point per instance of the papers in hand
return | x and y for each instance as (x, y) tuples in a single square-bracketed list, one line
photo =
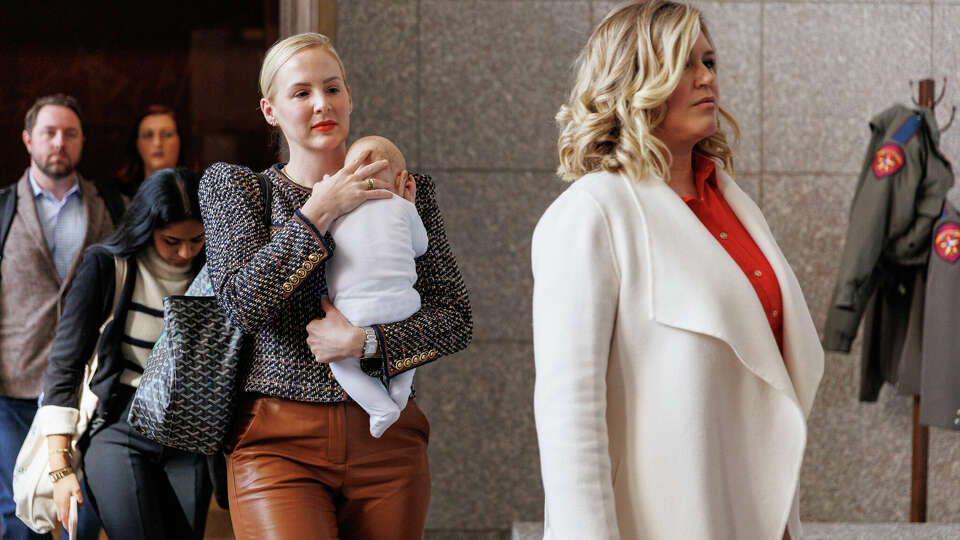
[(72, 518)]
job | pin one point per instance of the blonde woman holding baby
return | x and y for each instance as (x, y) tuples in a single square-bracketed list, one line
[(302, 462)]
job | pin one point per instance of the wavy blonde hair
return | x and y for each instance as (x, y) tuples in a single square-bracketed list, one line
[(284, 49), (624, 75)]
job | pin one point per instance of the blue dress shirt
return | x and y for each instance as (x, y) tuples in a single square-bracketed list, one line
[(64, 223)]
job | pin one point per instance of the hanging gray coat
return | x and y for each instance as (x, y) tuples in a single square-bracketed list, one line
[(899, 194), (940, 403)]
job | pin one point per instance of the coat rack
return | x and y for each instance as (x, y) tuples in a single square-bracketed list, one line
[(921, 433)]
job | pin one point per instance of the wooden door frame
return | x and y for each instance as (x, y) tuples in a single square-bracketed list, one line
[(298, 16)]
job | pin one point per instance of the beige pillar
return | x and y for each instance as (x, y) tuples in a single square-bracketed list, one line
[(298, 16)]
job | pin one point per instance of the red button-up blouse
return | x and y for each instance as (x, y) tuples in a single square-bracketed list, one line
[(717, 216)]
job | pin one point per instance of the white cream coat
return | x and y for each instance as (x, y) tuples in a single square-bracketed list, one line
[(664, 408)]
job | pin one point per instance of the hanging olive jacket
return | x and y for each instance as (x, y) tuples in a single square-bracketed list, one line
[(940, 403), (899, 195)]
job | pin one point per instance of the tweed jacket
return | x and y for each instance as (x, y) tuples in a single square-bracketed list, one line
[(32, 291), (664, 407), (882, 274), (269, 282)]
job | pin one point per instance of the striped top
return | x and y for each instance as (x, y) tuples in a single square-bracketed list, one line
[(155, 279)]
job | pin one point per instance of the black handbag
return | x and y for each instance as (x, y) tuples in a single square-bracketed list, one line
[(188, 390)]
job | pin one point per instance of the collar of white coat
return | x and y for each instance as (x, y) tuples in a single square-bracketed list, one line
[(720, 302)]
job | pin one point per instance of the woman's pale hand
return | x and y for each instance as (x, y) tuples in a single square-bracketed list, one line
[(63, 489), (343, 191), (333, 338)]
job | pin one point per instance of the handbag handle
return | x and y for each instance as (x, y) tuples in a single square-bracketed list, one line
[(267, 190)]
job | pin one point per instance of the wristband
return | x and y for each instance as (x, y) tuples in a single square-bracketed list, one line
[(60, 474)]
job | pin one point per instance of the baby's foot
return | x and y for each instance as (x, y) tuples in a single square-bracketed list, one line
[(379, 423)]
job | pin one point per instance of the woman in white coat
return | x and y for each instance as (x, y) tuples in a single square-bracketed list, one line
[(676, 359)]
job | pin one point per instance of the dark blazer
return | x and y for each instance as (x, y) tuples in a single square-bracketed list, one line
[(940, 392), (899, 195), (86, 307), (269, 282)]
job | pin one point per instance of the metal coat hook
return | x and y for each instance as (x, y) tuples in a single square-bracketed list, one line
[(943, 90), (953, 112), (936, 101)]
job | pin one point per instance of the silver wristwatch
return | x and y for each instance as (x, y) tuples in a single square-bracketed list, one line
[(370, 343)]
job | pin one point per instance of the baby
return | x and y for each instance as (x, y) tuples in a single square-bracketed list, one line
[(370, 277)]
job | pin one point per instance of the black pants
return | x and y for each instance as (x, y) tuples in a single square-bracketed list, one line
[(142, 489)]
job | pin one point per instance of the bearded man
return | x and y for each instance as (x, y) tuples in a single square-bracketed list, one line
[(47, 219)]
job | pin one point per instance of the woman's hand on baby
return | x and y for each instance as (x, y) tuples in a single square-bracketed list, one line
[(343, 191), (333, 338)]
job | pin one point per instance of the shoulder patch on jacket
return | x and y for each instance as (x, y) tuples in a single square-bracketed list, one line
[(947, 241), (888, 160)]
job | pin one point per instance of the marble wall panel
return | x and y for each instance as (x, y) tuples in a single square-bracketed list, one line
[(484, 462), (946, 63), (827, 69), (943, 502), (836, 1), (377, 41), (857, 461), (808, 216), (751, 184), (490, 217), (494, 75), (733, 28)]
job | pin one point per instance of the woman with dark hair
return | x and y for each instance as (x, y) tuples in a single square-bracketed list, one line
[(140, 488), (153, 144)]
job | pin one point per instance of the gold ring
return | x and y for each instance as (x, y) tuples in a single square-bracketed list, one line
[(369, 184)]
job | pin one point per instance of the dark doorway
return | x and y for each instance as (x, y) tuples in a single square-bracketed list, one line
[(116, 57)]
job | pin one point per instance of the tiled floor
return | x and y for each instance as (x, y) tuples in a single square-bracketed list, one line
[(825, 531)]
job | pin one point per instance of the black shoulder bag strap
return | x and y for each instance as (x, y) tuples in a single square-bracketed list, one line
[(267, 190), (8, 207), (216, 463)]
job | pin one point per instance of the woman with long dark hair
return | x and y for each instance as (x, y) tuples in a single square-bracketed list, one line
[(140, 488), (153, 144)]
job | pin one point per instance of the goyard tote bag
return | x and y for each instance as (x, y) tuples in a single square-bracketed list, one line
[(186, 395)]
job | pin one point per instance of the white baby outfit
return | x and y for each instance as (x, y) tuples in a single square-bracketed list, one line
[(370, 280)]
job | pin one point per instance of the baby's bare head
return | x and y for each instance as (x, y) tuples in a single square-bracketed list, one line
[(381, 148)]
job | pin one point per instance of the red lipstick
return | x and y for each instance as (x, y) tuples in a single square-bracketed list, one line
[(325, 126)]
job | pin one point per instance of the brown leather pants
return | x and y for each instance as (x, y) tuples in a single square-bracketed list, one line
[(312, 470)]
